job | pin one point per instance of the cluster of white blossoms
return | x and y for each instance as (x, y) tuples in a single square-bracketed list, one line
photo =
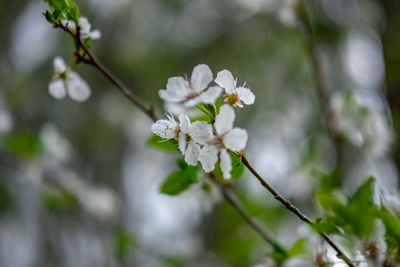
[(84, 28), (67, 81), (200, 140)]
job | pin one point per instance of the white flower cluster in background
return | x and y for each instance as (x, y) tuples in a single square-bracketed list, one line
[(361, 125), (84, 28), (67, 81), (200, 140)]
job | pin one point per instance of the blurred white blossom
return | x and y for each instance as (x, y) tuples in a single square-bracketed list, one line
[(84, 28), (360, 125), (67, 81)]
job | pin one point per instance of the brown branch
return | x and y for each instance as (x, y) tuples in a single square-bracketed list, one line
[(93, 61), (296, 211)]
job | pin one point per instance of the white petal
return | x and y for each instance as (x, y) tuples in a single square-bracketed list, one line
[(164, 128), (201, 77), (57, 89), (192, 102), (59, 65), (226, 163), (201, 132), (177, 90), (209, 96), (174, 108), (224, 119), (77, 88), (182, 142), (236, 139), (71, 24), (84, 26), (245, 95), (208, 157), (225, 80), (96, 34), (192, 154), (184, 122)]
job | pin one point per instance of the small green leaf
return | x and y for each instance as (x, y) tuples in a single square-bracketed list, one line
[(329, 202), (179, 181), (390, 221), (278, 257), (327, 227), (22, 144), (87, 42), (56, 13), (50, 17), (162, 144), (176, 183), (124, 244), (237, 166), (298, 248)]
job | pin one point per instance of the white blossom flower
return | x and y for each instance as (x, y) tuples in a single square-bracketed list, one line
[(67, 81), (84, 28), (170, 129), (360, 125), (191, 93), (216, 143), (236, 96)]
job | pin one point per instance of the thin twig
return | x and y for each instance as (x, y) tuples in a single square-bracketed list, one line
[(319, 80), (92, 60), (226, 191), (296, 211)]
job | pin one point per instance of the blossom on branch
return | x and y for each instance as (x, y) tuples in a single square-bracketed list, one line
[(67, 81), (171, 129), (235, 96), (218, 141), (181, 91), (84, 28)]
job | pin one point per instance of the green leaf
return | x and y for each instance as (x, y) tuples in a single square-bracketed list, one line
[(55, 199), (176, 183), (360, 210), (278, 257), (124, 244), (390, 221), (181, 180), (67, 9), (298, 248), (162, 144), (329, 202), (237, 166), (87, 42), (22, 144), (50, 17), (325, 226), (56, 13)]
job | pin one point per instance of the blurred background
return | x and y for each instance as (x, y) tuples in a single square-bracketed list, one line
[(80, 187)]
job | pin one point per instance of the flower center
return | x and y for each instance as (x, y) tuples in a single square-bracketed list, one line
[(232, 99), (192, 95)]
